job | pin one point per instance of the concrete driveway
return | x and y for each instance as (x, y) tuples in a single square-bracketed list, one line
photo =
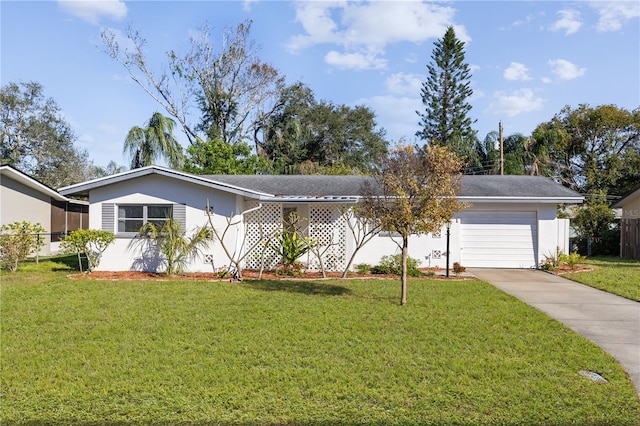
[(609, 321)]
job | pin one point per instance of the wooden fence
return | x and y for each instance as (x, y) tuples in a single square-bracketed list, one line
[(630, 238)]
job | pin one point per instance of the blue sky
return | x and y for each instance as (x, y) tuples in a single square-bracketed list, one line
[(528, 58)]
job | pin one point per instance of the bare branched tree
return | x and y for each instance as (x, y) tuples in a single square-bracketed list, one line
[(230, 85), (363, 228)]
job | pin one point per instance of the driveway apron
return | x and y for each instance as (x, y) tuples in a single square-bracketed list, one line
[(611, 322)]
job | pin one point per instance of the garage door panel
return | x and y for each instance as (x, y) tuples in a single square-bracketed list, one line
[(498, 239)]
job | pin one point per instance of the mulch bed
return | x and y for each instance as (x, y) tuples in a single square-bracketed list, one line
[(246, 274)]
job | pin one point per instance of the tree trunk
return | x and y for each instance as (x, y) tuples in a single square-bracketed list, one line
[(346, 270), (403, 278)]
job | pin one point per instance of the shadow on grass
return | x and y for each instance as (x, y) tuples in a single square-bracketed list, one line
[(295, 286)]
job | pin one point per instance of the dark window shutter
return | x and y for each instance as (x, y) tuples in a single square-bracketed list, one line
[(180, 215), (108, 217)]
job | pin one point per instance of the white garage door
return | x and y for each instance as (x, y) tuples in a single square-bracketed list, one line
[(498, 239)]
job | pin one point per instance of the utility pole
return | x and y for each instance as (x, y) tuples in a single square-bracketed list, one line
[(501, 150)]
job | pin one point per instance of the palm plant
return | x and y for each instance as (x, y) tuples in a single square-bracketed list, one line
[(172, 242), (146, 145)]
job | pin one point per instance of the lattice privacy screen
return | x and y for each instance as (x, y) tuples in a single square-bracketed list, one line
[(261, 225), (328, 226)]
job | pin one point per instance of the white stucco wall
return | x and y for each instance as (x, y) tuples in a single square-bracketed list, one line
[(156, 189), (551, 233)]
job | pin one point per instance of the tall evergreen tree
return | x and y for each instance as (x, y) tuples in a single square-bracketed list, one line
[(445, 95)]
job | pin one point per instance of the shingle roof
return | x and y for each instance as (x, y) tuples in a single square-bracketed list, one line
[(296, 185), (513, 186), (336, 188), (350, 186)]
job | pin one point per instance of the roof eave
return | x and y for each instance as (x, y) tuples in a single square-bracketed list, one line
[(29, 182), (85, 187), (311, 199), (544, 200)]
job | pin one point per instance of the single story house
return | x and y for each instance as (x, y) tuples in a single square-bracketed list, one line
[(23, 198), (630, 224), (511, 222)]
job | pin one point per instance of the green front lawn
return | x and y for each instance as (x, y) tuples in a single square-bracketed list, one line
[(611, 274), (293, 353)]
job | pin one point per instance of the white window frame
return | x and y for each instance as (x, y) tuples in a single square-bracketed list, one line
[(145, 218)]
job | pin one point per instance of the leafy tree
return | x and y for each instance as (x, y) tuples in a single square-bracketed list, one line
[(17, 241), (216, 157), (171, 241), (303, 135), (230, 86), (592, 150), (445, 96), (90, 242), (415, 194), (36, 139), (593, 218), (146, 145)]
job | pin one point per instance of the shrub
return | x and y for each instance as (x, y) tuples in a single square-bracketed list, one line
[(17, 241), (291, 243), (172, 242), (458, 268), (551, 260), (392, 265), (292, 269), (90, 242), (572, 260), (363, 268)]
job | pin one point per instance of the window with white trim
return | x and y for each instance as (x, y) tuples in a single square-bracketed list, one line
[(131, 217)]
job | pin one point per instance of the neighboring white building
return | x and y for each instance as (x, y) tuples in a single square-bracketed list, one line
[(511, 222)]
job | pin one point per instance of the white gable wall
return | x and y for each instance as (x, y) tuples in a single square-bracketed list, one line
[(157, 189)]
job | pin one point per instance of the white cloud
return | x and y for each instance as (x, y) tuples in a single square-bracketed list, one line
[(615, 14), (515, 103), (364, 29), (566, 70), (357, 61), (524, 21), (516, 72), (317, 23), (246, 5), (404, 84), (569, 22), (93, 11)]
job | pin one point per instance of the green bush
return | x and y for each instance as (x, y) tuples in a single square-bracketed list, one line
[(17, 241), (363, 268), (90, 242), (392, 265), (572, 260)]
